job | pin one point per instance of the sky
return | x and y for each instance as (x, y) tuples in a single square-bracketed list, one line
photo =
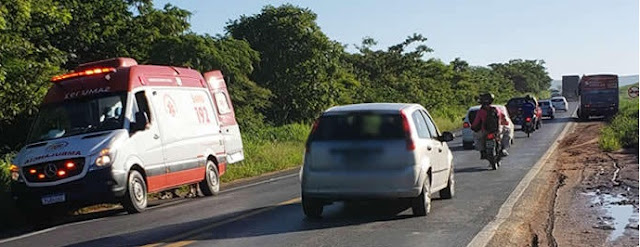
[(571, 36)]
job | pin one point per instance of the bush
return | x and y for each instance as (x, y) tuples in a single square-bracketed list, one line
[(270, 149), (622, 132), (5, 176)]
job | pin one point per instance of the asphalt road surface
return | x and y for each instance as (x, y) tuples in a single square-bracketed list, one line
[(270, 214)]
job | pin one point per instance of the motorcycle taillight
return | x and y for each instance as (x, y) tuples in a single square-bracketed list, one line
[(528, 119), (490, 136)]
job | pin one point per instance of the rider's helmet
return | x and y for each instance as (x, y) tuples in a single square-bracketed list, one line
[(486, 98)]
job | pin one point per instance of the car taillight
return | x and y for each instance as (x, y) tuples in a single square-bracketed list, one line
[(490, 136), (587, 105), (466, 125), (407, 131), (527, 119)]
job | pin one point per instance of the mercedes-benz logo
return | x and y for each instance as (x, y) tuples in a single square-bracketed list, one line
[(51, 170)]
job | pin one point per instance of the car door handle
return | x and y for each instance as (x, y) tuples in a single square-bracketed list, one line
[(156, 136)]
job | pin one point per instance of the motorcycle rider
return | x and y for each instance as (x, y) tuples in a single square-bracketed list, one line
[(479, 123), (528, 110)]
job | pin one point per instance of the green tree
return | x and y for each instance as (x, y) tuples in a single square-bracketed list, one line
[(234, 57), (526, 75), (298, 62), (27, 61)]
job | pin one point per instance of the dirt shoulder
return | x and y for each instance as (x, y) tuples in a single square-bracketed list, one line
[(581, 197)]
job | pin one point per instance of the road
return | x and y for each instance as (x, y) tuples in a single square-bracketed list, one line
[(270, 214)]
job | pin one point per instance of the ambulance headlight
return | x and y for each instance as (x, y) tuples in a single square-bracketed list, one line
[(105, 157)]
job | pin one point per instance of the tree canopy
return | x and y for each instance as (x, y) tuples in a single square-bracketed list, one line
[(279, 65)]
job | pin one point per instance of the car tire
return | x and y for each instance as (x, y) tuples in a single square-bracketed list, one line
[(421, 205), (210, 186), (312, 207), (135, 198), (467, 145), (553, 116), (449, 191)]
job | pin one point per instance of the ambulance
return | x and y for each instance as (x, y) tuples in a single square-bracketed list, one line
[(113, 131)]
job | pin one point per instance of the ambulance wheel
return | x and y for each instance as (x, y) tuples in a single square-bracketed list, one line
[(210, 186), (135, 199)]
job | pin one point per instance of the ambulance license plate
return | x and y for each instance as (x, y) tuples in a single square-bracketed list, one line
[(51, 199)]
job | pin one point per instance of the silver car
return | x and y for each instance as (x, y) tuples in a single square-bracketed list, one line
[(376, 151), (467, 133), (560, 103)]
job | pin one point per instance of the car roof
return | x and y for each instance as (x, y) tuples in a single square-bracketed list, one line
[(380, 107), (558, 97), (545, 100)]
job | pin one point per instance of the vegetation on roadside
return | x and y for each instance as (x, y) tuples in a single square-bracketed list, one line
[(622, 131), (281, 69)]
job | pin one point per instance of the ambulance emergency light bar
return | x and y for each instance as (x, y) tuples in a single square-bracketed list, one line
[(82, 73), (97, 67)]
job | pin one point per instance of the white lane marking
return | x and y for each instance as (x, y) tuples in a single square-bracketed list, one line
[(6, 240), (259, 183), (483, 237)]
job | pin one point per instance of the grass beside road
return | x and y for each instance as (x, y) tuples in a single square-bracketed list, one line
[(622, 132)]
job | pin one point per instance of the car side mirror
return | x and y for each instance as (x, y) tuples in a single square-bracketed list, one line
[(142, 121), (446, 137)]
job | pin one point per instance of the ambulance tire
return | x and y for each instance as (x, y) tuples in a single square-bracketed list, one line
[(135, 199), (210, 186)]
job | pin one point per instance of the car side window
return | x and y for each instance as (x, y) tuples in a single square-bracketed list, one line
[(141, 105), (433, 130), (421, 125)]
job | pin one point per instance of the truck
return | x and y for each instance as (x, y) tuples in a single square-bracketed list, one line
[(570, 87), (598, 96), (113, 131)]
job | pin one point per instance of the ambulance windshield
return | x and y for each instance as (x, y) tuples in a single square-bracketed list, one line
[(79, 116)]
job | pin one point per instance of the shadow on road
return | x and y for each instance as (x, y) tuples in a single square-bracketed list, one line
[(472, 169), (282, 219)]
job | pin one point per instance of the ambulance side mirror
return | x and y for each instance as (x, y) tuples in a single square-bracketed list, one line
[(142, 121)]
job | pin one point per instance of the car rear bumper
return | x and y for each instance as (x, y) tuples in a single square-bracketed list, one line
[(348, 185), (99, 186), (599, 111)]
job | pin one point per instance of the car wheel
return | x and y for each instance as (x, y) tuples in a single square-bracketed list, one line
[(312, 207), (135, 199), (421, 205), (210, 186), (450, 190), (553, 116)]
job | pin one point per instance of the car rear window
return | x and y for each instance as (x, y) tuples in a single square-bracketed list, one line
[(515, 102), (544, 103), (472, 115), (557, 100), (359, 126)]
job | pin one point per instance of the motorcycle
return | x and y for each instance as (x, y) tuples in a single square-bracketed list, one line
[(493, 150), (528, 126)]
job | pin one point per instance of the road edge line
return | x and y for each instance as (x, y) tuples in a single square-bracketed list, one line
[(485, 235)]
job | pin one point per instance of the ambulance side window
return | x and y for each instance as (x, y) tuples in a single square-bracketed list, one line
[(140, 105), (222, 103)]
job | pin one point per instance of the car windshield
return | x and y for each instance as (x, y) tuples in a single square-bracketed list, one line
[(359, 126), (78, 116)]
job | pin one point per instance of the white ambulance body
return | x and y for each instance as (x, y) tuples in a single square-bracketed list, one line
[(114, 131)]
